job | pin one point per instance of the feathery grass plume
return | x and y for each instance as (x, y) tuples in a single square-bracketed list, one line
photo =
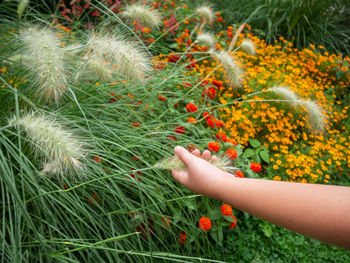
[(142, 14), (130, 60), (233, 71), (62, 151), (46, 63), (99, 68), (316, 118), (285, 93), (207, 40), (248, 47), (174, 163), (206, 13)]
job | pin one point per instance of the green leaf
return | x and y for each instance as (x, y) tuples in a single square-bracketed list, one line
[(248, 153), (265, 156), (254, 143)]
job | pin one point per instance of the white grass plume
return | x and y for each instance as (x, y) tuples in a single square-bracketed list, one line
[(62, 151), (285, 93), (206, 13), (207, 40), (317, 119), (143, 14), (248, 47), (130, 60), (99, 68), (174, 163), (233, 71), (46, 63)]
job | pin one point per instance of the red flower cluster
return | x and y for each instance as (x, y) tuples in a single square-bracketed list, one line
[(204, 223), (190, 107), (231, 153), (255, 167), (214, 146), (221, 136), (210, 92), (226, 210), (173, 58)]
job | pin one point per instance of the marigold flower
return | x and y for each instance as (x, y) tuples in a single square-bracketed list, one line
[(161, 97), (214, 146), (182, 238), (221, 136), (204, 223), (239, 174), (226, 210), (231, 153), (166, 221), (179, 129), (210, 92), (190, 107), (232, 225), (255, 167), (192, 120)]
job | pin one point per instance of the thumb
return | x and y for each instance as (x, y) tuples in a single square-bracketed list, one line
[(183, 155)]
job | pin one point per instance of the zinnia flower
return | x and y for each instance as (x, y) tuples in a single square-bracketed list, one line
[(214, 146), (204, 223), (255, 167), (231, 153), (226, 210), (190, 107)]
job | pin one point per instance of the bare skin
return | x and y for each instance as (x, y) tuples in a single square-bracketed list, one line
[(317, 211)]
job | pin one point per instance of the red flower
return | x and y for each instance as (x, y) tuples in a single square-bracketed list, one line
[(172, 137), (135, 123), (214, 146), (182, 238), (161, 97), (97, 160), (232, 225), (239, 174), (255, 167), (221, 136), (217, 83), (226, 210), (231, 153), (173, 58), (191, 147), (204, 223), (190, 107), (186, 84), (94, 199), (166, 221), (210, 92), (179, 129)]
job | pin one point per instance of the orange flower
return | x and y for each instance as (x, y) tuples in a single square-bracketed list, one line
[(239, 174), (214, 146), (191, 119), (191, 147), (255, 167), (182, 238), (190, 107), (226, 210), (204, 223), (231, 153), (161, 97)]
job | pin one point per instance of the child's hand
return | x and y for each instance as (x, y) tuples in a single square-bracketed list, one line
[(200, 176)]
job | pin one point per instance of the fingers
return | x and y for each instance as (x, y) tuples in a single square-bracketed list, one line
[(184, 155), (196, 153), (214, 158), (206, 155), (180, 176)]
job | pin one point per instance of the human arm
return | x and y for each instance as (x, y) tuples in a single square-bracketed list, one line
[(318, 211)]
